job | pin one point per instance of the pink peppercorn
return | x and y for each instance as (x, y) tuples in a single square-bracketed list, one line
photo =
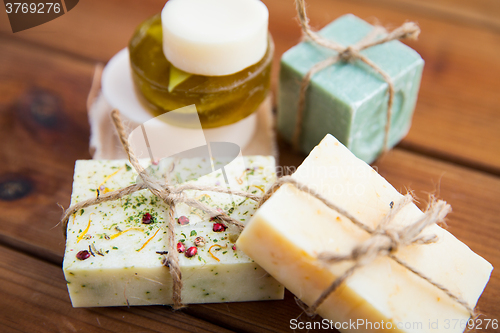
[(234, 247), (181, 247), (191, 251), (82, 255), (219, 227), (147, 218), (183, 220)]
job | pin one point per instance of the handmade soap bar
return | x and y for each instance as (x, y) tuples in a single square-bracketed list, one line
[(114, 249), (220, 100), (288, 232), (349, 100), (214, 37)]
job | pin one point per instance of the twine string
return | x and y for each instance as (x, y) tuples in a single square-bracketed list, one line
[(171, 195), (408, 30), (384, 240)]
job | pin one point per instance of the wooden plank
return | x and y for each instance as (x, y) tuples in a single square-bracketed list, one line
[(118, 19), (43, 130), (267, 316), (456, 113), (483, 13), (34, 298)]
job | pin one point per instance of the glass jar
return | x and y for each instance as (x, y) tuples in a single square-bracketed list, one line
[(220, 100)]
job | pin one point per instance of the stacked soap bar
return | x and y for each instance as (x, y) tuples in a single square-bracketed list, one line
[(349, 100), (114, 250), (288, 232), (214, 37)]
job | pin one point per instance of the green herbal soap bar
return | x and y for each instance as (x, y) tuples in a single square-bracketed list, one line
[(112, 257), (349, 100)]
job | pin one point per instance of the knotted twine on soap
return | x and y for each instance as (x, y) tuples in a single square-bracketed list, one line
[(385, 240), (171, 195), (408, 30)]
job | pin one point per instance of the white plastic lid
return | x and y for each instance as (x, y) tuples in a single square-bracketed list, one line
[(214, 37)]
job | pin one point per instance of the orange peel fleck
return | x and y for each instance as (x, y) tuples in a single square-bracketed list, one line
[(150, 238), (201, 196), (84, 232), (239, 180), (260, 187), (106, 190), (124, 231), (210, 251)]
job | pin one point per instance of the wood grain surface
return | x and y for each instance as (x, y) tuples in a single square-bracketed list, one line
[(452, 150), (35, 299)]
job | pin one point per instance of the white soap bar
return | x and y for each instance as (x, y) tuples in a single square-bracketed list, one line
[(214, 37), (125, 268), (292, 228)]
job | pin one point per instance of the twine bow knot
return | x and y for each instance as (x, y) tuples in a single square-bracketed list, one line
[(171, 195), (349, 54), (385, 240)]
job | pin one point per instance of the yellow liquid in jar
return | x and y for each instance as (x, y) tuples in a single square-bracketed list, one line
[(220, 100)]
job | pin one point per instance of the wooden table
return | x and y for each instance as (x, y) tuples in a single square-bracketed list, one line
[(453, 149)]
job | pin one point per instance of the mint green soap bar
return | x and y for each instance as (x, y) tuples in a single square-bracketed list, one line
[(348, 99)]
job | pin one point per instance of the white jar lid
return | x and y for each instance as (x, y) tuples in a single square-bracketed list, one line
[(214, 37)]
